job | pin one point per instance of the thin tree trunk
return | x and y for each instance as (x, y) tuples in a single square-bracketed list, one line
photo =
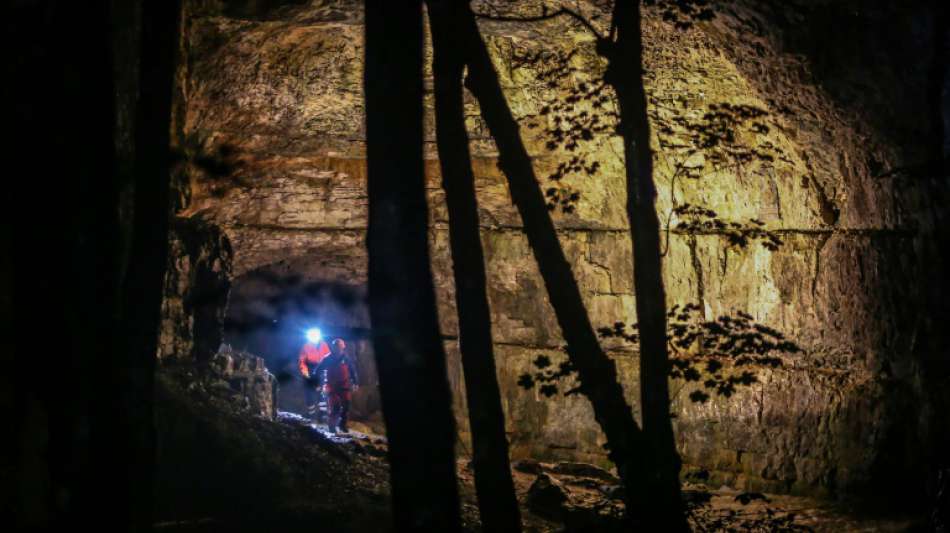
[(939, 89), (625, 74), (497, 502), (141, 288), (409, 351), (596, 372), (76, 262)]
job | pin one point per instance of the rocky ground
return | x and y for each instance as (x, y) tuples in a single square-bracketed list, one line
[(223, 465), (580, 497)]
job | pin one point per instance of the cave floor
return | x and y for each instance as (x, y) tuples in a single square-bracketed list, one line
[(792, 513), (222, 467), (593, 503)]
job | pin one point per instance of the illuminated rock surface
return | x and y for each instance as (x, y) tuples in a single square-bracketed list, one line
[(269, 117)]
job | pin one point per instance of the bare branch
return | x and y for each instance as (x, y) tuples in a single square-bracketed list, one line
[(563, 11)]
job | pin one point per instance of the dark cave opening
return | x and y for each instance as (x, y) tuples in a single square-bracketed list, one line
[(268, 315)]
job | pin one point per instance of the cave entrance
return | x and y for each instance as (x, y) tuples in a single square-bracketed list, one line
[(270, 310)]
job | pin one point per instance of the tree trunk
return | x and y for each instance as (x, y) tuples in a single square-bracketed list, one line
[(141, 278), (596, 372), (64, 93), (497, 502), (663, 506), (939, 90), (91, 393), (409, 352)]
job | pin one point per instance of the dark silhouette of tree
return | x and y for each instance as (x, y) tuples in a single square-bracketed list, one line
[(409, 352), (596, 372), (72, 253), (141, 288), (939, 91), (498, 504), (622, 48), (99, 253), (624, 73)]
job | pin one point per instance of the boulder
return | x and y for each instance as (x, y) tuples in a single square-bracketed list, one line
[(547, 498), (247, 376)]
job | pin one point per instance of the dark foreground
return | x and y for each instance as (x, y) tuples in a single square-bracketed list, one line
[(221, 468)]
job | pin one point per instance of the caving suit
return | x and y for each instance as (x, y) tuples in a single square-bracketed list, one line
[(341, 376), (311, 355)]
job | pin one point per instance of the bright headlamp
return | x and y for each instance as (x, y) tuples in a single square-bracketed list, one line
[(314, 335)]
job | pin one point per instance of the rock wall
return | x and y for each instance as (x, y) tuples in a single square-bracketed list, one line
[(745, 124), (254, 388), (197, 282)]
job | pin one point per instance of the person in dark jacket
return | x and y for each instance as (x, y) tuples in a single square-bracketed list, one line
[(342, 378)]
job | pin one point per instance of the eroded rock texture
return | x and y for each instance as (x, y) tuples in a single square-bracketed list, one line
[(246, 375), (197, 282), (746, 124)]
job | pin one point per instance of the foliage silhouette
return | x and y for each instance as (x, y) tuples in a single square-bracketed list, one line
[(574, 119), (720, 354), (683, 14), (726, 135), (700, 220), (547, 376)]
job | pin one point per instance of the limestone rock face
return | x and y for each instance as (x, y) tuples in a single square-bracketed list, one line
[(247, 376), (744, 124), (197, 282)]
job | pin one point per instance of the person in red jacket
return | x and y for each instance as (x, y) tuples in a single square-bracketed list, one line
[(311, 355), (342, 379)]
